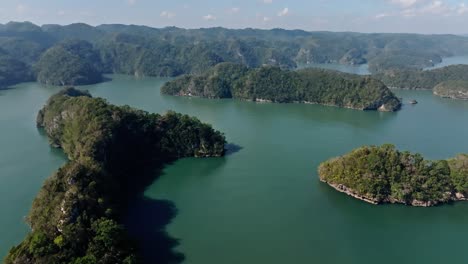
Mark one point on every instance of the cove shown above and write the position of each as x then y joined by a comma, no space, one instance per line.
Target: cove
264,202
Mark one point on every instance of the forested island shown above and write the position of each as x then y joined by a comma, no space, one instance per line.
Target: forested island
382,174
113,153
452,89
421,79
79,54
272,84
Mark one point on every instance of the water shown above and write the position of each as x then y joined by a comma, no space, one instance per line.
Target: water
362,69
264,203
449,61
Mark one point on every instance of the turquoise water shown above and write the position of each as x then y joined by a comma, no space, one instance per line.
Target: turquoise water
264,203
450,61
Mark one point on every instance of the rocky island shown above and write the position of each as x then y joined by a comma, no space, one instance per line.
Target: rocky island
272,84
113,153
452,89
382,174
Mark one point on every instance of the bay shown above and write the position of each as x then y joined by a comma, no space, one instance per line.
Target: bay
263,203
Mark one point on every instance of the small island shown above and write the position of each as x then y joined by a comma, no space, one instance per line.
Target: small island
273,84
113,153
382,174
452,90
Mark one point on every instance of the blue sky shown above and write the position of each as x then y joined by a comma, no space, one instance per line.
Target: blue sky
421,16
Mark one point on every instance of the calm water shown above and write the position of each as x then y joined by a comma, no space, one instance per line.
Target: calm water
362,69
450,61
264,203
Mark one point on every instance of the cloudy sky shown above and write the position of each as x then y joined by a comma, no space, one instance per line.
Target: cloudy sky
422,16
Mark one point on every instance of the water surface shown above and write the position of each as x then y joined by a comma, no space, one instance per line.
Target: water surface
264,203
449,61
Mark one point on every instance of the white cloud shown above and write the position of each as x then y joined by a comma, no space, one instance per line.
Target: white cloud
209,17
235,10
283,12
131,2
21,9
61,13
406,3
381,15
167,14
462,9
267,1
266,19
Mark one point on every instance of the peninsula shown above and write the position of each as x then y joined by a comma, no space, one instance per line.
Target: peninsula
113,152
382,174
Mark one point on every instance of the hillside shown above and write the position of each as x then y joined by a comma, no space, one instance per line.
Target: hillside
272,84
146,51
113,152
419,79
382,174
452,89
69,63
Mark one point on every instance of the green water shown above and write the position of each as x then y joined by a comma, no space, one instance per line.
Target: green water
262,204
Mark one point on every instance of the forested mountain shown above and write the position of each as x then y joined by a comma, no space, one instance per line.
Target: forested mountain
69,63
269,83
171,51
113,153
382,174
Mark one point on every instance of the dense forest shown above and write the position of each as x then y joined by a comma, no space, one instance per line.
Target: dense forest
113,153
452,89
420,79
69,63
269,83
145,51
382,174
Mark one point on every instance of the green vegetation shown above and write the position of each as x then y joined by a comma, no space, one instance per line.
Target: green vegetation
13,71
419,79
145,51
386,175
228,80
452,89
77,215
69,63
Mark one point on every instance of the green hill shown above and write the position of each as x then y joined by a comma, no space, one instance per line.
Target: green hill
69,63
272,84
452,89
385,175
114,152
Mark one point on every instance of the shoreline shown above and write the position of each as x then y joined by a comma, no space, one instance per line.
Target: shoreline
415,203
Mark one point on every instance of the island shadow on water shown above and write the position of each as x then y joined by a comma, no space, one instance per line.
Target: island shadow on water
146,219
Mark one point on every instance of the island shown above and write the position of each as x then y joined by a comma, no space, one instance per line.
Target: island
422,79
382,174
272,84
452,89
113,153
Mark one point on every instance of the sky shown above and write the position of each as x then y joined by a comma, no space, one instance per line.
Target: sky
412,16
